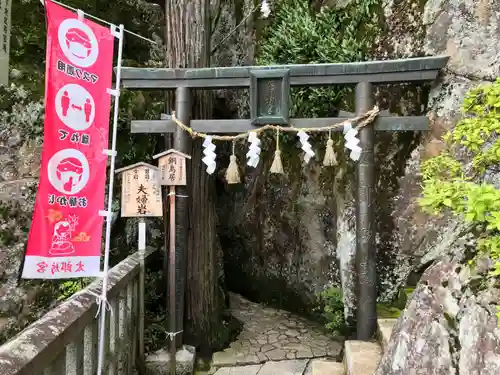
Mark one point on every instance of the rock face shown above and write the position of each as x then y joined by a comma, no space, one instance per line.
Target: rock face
19,168
280,236
449,325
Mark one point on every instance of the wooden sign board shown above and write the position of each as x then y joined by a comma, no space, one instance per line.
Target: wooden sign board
172,166
5,26
141,191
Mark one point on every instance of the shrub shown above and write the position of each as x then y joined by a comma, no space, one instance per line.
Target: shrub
331,307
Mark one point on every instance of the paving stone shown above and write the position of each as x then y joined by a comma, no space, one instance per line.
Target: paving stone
253,350
304,353
266,348
292,333
262,357
244,359
275,335
318,352
276,355
272,339
291,367
334,349
224,358
235,345
241,370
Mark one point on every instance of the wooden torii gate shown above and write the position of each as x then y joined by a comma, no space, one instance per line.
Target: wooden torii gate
361,74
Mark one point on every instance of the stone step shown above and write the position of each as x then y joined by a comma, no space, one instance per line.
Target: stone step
384,331
361,357
288,367
322,366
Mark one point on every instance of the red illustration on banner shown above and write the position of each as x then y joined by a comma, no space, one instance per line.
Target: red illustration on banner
66,231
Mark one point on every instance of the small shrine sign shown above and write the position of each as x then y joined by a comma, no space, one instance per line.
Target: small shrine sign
172,165
141,191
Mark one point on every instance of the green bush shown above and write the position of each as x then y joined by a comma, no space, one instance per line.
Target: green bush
465,192
298,35
331,307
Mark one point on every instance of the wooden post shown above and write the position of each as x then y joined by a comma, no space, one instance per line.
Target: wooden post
172,305
141,197
5,26
142,276
172,166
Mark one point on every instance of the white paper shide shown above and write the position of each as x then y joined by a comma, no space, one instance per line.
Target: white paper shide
209,152
351,141
306,146
253,154
265,10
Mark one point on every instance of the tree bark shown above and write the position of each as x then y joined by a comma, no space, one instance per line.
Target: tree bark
187,41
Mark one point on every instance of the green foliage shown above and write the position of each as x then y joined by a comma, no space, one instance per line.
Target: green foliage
331,307
69,287
297,35
464,191
387,312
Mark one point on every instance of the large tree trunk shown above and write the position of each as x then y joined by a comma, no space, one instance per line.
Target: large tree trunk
187,40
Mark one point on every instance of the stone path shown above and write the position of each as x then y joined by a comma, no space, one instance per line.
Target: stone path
288,367
271,335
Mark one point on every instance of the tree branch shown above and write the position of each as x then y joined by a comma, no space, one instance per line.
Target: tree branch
215,22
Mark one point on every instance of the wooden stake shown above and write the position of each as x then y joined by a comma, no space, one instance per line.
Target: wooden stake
140,359
172,165
172,325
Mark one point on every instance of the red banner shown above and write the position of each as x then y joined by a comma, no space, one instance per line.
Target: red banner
66,231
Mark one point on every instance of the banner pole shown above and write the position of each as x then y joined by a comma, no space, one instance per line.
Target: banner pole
103,300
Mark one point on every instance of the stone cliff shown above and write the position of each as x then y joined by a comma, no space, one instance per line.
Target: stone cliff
449,325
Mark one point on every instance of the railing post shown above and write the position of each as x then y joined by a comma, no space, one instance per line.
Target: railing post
365,228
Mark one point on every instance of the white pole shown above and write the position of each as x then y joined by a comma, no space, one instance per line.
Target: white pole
103,299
